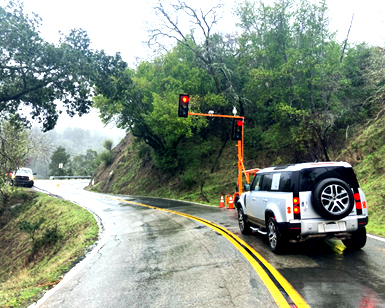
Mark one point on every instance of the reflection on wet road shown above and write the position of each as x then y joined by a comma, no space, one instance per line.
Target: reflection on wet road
325,273
152,258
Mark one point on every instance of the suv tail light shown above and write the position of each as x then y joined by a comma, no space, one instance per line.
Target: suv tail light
357,200
296,207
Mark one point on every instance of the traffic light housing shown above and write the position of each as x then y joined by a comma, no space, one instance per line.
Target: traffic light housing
183,105
236,133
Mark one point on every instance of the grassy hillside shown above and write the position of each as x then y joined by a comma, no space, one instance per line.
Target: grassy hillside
366,153
30,265
134,173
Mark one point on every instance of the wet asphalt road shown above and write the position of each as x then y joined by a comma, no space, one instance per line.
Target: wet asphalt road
151,258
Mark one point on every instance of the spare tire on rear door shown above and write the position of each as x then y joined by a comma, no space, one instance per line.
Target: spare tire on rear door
332,199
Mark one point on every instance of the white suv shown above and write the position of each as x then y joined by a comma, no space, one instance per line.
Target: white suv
302,201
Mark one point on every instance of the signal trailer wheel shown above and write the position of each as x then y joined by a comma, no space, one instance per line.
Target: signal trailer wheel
276,240
333,199
244,225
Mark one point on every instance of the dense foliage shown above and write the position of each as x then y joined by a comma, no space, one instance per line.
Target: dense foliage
300,90
18,146
34,73
14,146
34,76
60,163
85,165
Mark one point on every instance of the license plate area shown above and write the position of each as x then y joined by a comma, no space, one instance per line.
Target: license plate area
335,226
331,226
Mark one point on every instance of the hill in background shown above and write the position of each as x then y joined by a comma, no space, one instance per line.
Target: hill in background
133,172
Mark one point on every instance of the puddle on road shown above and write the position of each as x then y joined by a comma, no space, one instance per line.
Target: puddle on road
200,227
127,204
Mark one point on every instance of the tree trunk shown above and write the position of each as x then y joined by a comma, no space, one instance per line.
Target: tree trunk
219,154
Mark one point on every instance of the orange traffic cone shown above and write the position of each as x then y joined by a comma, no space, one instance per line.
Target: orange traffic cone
231,203
222,204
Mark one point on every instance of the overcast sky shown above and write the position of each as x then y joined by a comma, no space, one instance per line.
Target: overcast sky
119,26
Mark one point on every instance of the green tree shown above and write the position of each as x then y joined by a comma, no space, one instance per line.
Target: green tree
212,52
85,164
107,156
108,144
374,78
284,73
290,66
14,149
14,145
145,102
60,163
35,73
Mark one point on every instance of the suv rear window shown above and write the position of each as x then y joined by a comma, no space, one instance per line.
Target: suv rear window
310,177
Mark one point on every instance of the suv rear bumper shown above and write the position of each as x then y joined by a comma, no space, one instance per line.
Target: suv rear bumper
23,181
289,229
322,228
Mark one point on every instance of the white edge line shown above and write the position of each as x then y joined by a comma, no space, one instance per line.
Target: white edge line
376,237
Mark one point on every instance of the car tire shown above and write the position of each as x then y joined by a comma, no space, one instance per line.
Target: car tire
332,199
276,240
357,240
244,225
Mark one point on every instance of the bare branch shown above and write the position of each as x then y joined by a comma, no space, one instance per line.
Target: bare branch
346,40
170,29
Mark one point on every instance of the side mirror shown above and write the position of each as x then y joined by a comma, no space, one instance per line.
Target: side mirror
246,187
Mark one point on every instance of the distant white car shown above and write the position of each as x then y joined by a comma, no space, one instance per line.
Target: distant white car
23,177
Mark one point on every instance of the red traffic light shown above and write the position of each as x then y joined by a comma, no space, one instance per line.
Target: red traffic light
236,133
185,99
183,105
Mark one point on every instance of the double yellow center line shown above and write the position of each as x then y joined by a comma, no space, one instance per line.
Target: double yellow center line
280,289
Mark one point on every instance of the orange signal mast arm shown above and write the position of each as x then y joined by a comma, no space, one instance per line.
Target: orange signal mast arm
216,115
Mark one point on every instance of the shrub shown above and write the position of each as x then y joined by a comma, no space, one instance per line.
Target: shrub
108,144
107,157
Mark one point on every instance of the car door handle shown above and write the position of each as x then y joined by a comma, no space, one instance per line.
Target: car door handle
264,200
253,199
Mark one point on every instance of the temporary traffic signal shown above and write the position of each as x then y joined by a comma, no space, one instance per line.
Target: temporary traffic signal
237,129
183,105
